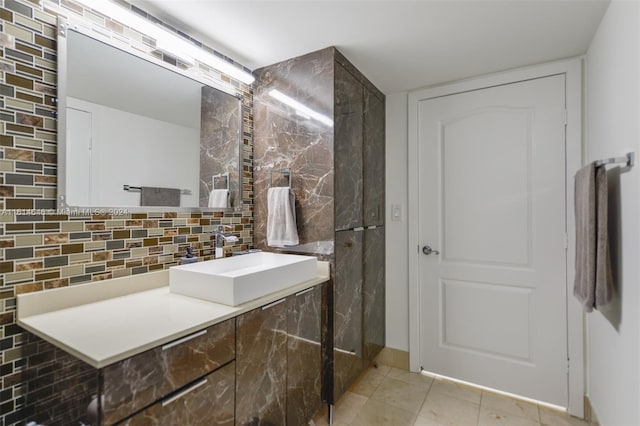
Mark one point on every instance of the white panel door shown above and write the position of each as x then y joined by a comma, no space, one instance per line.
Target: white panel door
79,131
492,203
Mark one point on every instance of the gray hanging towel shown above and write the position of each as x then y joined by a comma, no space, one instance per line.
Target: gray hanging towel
604,276
593,285
152,196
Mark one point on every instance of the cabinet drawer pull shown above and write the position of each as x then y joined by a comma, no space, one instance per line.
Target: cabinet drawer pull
184,339
359,229
277,302
183,393
344,351
300,293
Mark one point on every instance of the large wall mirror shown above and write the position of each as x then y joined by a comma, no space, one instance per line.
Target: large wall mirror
135,134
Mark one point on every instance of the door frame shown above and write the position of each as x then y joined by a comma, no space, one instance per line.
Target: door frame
572,69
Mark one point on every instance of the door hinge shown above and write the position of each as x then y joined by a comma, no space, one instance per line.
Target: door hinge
566,240
566,117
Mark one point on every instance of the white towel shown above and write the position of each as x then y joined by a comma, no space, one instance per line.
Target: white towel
281,217
219,198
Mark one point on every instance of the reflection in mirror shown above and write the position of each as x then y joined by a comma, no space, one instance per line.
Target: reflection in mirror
219,149
138,134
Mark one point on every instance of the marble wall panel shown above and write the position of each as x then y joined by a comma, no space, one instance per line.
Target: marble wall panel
220,144
261,366
285,139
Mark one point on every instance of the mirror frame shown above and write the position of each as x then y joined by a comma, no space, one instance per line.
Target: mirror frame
86,28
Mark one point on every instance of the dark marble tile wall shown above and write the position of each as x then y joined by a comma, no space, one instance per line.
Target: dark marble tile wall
210,403
261,366
136,382
304,357
41,248
286,140
219,145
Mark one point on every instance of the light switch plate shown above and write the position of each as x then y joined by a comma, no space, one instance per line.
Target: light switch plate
396,212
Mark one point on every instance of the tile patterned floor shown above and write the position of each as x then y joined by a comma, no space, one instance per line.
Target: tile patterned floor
393,397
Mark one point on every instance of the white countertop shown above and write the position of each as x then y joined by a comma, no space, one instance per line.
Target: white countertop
105,322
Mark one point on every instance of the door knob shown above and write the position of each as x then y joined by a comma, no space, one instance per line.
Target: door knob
428,250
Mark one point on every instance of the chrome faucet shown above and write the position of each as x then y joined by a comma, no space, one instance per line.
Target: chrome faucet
220,236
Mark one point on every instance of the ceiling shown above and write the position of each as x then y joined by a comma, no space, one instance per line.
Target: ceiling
129,83
399,45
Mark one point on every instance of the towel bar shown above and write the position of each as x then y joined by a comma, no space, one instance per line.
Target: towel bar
139,188
220,175
286,172
629,160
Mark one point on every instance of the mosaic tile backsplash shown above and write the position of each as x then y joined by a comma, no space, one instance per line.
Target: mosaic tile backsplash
41,248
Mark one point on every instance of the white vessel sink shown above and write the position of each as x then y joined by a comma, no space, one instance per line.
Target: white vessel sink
239,279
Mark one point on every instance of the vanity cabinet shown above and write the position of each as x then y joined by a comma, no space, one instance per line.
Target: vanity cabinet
373,156
359,119
373,293
134,383
347,315
304,355
337,164
279,361
207,402
261,365
358,285
348,119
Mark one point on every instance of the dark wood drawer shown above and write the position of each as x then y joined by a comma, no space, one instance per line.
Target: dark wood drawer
207,402
137,382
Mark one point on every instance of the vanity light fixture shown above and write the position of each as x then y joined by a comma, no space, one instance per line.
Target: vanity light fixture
167,41
302,115
300,109
168,46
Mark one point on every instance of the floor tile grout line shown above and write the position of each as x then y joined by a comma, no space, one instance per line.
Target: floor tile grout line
479,408
406,383
429,391
424,400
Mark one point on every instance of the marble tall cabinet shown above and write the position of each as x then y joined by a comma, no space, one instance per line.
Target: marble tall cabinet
336,156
